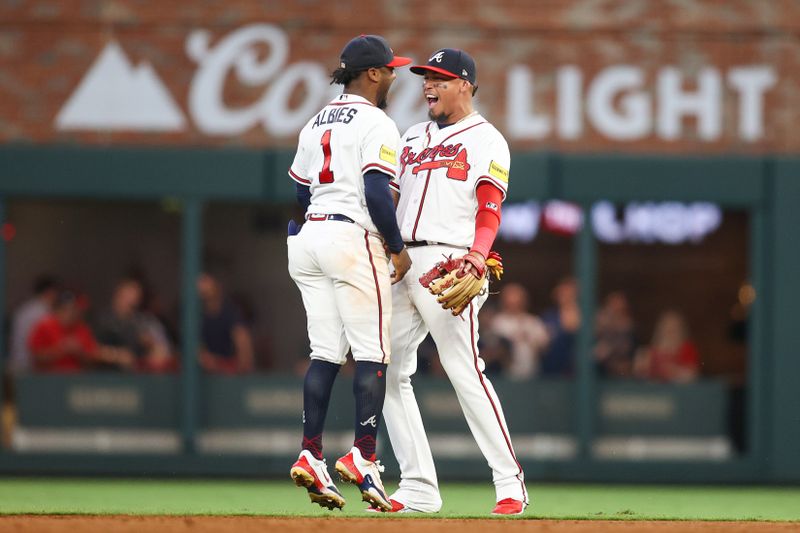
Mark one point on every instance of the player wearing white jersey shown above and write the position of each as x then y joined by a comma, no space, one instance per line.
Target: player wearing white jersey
345,165
454,176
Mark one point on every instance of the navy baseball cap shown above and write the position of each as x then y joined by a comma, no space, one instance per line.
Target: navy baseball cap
369,51
450,62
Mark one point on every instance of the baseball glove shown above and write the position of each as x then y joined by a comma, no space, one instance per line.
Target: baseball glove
454,287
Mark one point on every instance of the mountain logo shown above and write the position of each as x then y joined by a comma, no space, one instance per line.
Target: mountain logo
117,95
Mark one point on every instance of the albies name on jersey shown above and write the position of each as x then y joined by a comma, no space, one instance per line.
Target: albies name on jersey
331,115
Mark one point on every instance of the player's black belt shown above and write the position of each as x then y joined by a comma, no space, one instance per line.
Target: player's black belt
414,244
316,217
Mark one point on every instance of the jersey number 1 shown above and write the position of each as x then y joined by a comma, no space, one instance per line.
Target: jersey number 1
326,174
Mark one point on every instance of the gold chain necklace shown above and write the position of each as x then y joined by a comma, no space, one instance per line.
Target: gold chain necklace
465,118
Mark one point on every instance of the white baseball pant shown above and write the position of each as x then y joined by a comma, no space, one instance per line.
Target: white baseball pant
414,313
343,275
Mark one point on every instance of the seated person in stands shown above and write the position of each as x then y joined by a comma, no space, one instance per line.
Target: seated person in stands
226,342
525,331
124,331
672,357
615,337
562,323
496,349
61,342
26,316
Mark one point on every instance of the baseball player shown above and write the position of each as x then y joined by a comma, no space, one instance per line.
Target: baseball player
344,169
453,179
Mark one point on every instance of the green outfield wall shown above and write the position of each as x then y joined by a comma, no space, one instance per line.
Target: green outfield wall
583,429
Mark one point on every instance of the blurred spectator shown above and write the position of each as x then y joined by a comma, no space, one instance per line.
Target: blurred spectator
615,341
27,315
61,342
562,323
671,356
227,345
127,333
740,313
738,335
525,331
153,307
495,348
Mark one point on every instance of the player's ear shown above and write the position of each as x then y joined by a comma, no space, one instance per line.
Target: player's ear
374,74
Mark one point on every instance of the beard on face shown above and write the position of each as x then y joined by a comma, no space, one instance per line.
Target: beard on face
440,118
382,98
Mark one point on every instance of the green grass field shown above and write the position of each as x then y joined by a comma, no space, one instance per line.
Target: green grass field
281,498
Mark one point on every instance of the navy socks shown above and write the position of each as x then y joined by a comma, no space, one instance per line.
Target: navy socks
369,389
316,395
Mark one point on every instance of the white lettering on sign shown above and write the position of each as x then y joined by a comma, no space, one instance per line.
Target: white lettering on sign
569,80
636,222
666,222
751,83
615,102
620,107
523,121
633,119
520,222
238,54
704,103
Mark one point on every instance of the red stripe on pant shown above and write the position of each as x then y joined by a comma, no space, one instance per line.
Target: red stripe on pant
378,291
491,402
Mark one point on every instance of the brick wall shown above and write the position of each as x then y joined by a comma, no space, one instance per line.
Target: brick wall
582,75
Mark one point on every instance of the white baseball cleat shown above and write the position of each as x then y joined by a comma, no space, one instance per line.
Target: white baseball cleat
354,469
313,474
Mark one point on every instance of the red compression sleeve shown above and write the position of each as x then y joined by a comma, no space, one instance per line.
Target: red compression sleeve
488,219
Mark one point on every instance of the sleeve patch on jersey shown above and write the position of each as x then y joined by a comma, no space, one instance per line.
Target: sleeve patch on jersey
388,155
498,172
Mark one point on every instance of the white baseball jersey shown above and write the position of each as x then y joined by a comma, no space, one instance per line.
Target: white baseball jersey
341,268
347,138
439,172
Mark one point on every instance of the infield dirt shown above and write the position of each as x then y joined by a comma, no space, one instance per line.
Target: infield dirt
246,524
